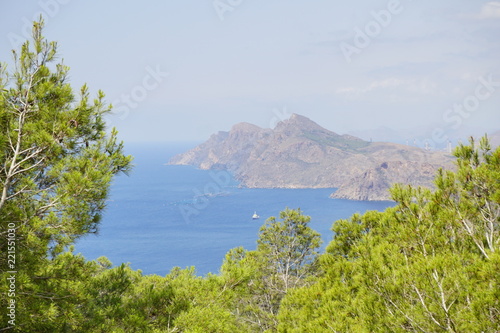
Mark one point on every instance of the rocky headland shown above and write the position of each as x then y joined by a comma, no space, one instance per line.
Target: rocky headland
298,153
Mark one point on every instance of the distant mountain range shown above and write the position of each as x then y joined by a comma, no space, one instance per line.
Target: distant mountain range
495,139
422,135
298,153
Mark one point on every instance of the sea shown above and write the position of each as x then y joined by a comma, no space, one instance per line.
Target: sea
164,216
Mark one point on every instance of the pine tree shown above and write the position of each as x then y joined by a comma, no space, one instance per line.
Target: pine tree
56,165
285,259
429,264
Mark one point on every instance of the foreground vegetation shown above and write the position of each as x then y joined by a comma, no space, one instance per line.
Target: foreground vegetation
429,264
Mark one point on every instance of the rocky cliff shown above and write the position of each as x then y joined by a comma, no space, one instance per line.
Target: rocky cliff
298,153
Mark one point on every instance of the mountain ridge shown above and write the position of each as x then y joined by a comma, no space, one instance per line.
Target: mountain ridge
299,153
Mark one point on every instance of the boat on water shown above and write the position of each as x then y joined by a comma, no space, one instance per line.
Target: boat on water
255,216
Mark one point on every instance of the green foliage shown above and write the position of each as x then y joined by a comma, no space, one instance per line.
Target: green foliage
209,319
56,164
285,259
290,248
429,264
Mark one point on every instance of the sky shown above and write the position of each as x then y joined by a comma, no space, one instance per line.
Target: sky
183,70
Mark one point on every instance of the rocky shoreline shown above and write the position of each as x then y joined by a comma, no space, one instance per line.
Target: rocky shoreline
298,153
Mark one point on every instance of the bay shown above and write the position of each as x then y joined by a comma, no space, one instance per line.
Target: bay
162,216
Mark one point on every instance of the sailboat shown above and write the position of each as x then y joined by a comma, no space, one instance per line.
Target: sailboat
255,216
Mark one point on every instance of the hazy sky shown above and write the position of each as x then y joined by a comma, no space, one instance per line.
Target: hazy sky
182,70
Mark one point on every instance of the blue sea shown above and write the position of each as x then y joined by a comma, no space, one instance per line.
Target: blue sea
162,216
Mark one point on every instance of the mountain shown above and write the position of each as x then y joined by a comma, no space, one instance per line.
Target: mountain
298,153
373,184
